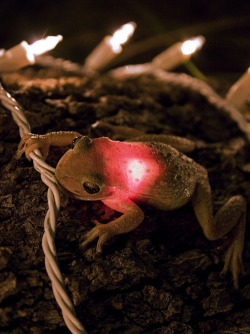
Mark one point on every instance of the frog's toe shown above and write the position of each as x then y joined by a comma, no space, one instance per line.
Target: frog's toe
23,145
99,231
30,142
233,263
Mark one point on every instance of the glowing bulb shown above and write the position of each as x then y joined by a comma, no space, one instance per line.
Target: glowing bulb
178,53
239,93
44,45
192,45
24,54
121,36
109,48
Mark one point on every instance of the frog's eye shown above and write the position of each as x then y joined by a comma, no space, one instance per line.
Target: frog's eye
74,141
91,188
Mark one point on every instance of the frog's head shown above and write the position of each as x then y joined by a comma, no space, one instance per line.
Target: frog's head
79,172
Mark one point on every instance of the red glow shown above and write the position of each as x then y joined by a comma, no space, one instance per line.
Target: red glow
131,167
136,173
137,170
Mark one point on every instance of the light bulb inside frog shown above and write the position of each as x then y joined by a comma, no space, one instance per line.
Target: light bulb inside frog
79,171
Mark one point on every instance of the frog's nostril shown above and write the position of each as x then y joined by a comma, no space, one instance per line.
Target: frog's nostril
74,141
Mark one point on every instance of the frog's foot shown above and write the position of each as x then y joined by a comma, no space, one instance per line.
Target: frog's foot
101,231
131,218
233,262
30,142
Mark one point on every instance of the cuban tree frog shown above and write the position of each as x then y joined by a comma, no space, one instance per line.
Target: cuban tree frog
151,170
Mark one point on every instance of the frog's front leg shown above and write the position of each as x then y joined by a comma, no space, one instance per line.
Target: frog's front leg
230,218
131,218
32,141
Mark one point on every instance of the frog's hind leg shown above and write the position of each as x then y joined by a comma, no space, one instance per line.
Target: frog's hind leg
230,218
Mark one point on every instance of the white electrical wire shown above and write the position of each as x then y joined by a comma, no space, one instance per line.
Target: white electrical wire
63,65
48,242
187,82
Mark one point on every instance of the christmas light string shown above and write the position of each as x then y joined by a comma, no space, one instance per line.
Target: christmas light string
187,82
48,242
62,65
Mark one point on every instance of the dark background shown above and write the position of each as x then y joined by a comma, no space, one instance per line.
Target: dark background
226,26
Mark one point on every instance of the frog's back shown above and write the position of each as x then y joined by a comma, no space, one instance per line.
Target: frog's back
177,181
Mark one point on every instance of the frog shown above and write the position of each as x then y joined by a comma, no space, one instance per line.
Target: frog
148,169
